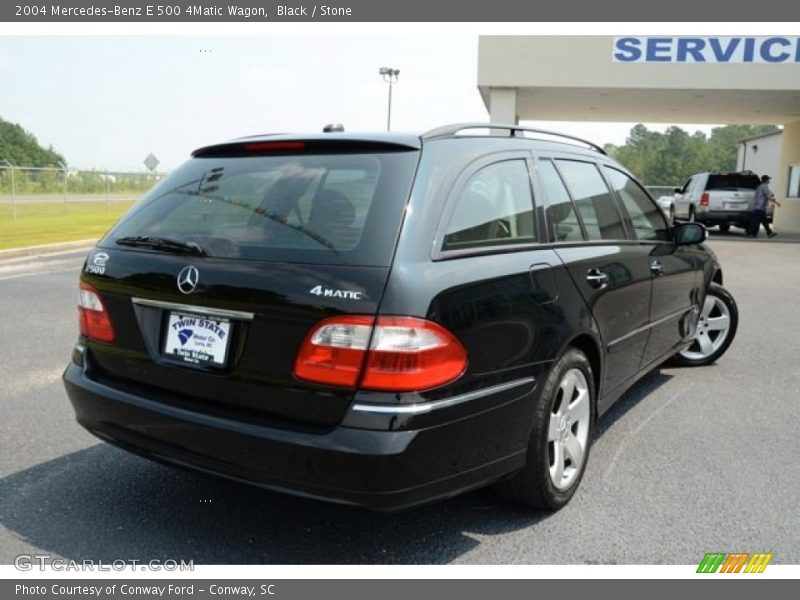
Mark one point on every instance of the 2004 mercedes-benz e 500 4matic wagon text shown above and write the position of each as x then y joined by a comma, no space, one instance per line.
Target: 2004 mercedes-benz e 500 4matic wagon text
388,319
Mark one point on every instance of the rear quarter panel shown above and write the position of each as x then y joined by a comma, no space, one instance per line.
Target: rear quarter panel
510,327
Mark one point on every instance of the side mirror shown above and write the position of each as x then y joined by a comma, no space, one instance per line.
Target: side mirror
678,190
687,234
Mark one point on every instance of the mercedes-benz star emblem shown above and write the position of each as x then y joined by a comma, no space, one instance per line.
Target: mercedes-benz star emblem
187,279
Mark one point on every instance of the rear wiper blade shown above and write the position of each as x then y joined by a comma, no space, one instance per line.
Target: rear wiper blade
159,243
269,215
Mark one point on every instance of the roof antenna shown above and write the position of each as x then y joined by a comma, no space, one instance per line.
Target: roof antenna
333,128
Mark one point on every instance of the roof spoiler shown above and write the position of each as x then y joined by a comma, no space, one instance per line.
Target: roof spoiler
299,145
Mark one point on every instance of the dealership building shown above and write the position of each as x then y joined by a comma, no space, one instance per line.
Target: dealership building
654,79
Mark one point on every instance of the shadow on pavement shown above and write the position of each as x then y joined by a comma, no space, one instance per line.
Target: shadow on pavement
104,504
644,387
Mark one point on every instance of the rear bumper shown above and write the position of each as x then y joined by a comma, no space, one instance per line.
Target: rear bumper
721,217
378,469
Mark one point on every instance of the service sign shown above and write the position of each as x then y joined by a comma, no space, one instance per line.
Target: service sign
706,49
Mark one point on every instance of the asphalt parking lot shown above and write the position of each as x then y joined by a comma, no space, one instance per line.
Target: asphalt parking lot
689,461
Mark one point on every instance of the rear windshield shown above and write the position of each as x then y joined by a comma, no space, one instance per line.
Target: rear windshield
732,181
320,208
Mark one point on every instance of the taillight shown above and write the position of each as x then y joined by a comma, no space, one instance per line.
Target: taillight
405,354
334,350
93,318
704,199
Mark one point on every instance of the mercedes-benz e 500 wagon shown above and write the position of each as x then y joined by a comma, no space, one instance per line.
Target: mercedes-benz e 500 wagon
385,319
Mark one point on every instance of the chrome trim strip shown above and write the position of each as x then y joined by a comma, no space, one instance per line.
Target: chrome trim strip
670,317
199,310
644,328
426,407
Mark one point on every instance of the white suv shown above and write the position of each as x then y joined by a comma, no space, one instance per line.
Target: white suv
715,198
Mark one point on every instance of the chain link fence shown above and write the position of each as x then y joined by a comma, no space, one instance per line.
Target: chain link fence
23,188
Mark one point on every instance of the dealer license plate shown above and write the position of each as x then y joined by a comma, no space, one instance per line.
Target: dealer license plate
197,339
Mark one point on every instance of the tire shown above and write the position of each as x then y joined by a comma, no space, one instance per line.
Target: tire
539,484
691,213
672,214
711,340
725,227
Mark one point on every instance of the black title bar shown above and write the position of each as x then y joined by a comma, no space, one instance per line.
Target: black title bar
357,11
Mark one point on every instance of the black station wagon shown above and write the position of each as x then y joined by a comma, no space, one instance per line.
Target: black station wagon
385,319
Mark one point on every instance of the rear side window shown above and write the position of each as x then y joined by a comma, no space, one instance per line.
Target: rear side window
329,208
647,219
732,181
495,206
596,205
562,221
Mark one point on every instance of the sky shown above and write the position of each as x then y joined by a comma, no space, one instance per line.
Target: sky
107,102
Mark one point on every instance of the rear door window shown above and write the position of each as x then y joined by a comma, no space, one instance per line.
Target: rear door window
596,206
645,215
494,207
562,220
329,208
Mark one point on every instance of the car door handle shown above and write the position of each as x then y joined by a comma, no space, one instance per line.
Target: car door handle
656,268
597,279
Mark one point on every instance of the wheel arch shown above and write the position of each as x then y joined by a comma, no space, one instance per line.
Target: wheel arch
591,348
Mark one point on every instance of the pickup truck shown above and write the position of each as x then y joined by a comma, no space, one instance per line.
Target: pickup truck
721,199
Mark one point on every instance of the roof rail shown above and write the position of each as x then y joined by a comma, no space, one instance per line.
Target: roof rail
451,130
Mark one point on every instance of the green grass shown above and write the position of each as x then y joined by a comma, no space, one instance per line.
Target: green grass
47,223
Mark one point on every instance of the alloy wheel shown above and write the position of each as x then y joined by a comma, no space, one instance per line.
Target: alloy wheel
712,329
568,430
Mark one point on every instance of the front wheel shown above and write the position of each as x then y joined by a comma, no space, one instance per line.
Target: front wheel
560,439
716,329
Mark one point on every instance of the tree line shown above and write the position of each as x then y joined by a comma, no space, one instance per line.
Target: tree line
656,158
21,148
670,158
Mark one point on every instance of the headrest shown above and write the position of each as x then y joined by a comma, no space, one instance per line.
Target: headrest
331,206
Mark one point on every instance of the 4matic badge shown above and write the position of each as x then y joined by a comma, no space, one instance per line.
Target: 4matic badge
332,293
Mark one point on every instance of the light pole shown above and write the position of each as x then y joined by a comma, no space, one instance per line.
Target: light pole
389,76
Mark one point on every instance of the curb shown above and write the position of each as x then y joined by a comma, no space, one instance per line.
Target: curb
45,249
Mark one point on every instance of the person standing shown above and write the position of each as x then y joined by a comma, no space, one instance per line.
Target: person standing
764,197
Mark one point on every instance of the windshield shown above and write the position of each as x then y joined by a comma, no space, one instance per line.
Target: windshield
323,208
